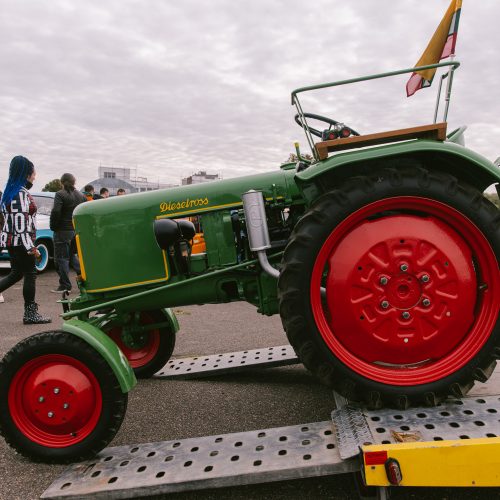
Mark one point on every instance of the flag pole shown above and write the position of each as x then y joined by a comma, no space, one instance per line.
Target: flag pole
448,89
438,97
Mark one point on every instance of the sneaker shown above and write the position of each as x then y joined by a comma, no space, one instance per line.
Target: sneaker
60,289
2,300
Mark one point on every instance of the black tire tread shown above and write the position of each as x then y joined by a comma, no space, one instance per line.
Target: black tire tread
293,284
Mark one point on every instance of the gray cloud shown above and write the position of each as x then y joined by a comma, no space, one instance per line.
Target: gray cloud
170,88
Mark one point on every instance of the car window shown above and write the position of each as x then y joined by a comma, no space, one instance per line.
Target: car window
44,204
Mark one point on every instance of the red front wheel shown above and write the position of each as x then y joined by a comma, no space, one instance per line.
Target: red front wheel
61,401
399,288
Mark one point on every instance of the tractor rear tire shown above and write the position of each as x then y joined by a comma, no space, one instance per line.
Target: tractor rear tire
61,401
409,260
155,347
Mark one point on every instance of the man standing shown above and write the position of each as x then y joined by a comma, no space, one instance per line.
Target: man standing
61,222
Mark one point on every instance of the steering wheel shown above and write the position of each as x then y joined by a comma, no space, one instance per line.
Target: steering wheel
329,121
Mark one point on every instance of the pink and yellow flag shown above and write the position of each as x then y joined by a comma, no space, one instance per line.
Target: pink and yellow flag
442,45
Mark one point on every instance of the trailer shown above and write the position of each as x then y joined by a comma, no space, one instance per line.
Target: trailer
456,443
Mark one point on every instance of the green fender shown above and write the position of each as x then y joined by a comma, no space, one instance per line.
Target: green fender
447,156
106,348
174,323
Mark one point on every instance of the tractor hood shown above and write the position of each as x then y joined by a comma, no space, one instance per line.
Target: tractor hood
116,239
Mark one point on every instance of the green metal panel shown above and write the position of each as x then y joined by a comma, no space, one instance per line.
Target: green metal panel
219,238
117,243
477,169
106,348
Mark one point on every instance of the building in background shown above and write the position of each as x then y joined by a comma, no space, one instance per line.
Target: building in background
115,178
200,177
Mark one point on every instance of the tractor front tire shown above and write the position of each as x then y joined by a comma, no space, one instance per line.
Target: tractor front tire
61,402
153,348
390,288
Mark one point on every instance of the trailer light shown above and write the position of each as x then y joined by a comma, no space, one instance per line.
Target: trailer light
393,471
375,457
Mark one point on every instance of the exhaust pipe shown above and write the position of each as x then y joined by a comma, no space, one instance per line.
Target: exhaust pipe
258,233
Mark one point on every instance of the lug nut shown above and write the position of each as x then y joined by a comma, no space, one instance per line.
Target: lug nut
65,406
50,414
404,267
405,340
383,280
56,390
41,399
384,304
425,278
426,302
406,315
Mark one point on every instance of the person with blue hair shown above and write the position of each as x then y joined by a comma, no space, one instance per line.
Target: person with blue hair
18,234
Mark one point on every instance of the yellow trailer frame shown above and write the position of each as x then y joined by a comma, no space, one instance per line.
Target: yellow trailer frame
461,462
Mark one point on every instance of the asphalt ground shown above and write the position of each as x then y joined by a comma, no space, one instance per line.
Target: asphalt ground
166,410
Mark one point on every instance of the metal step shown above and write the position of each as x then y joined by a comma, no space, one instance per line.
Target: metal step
206,462
218,364
468,418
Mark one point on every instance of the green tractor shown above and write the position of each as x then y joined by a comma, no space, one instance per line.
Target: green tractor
382,262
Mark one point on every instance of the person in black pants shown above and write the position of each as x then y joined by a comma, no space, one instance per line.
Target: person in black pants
18,234
61,222
2,300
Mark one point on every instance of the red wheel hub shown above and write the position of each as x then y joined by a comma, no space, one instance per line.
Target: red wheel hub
145,347
55,400
403,304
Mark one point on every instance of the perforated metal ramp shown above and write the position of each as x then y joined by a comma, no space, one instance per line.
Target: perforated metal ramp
207,462
218,364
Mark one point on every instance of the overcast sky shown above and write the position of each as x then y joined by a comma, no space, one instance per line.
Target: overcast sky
171,87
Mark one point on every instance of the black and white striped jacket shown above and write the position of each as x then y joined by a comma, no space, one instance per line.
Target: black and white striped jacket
19,222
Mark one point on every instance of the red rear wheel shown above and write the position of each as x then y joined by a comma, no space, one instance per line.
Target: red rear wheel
146,351
407,285
412,288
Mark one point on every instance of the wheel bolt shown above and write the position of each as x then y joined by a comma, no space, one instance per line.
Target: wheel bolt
384,304
425,278
41,399
426,302
406,315
404,267
65,406
50,414
383,280
56,390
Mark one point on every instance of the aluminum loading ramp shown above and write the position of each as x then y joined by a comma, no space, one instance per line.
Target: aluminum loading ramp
219,364
206,462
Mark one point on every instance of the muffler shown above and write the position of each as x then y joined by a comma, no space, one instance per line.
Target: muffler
257,230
